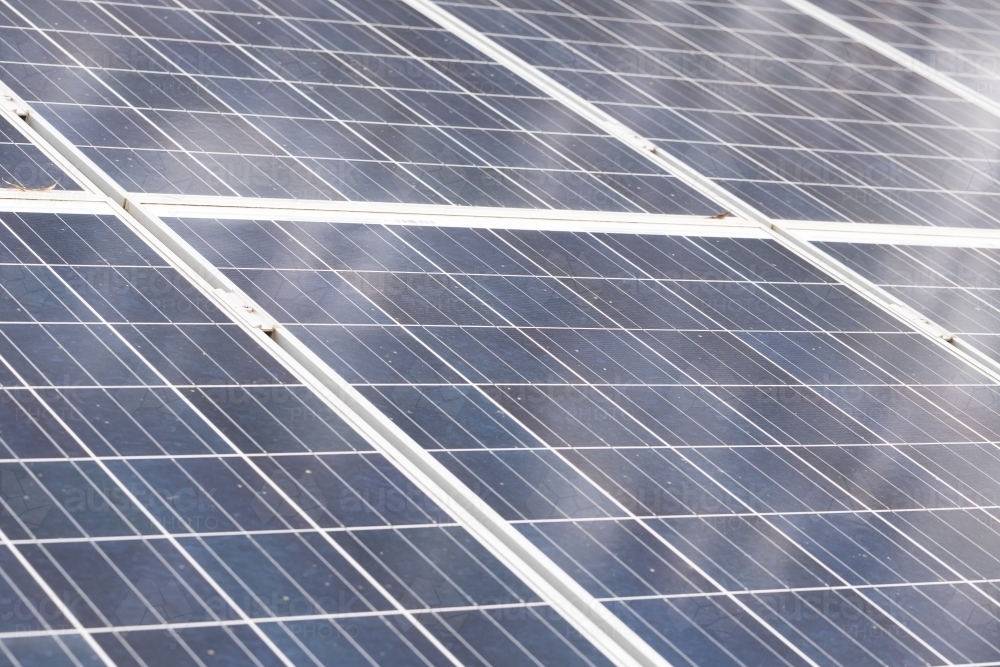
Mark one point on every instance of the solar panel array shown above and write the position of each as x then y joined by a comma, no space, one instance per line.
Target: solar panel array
786,112
740,459
685,425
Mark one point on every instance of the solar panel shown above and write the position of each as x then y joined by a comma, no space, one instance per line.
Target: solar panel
959,39
305,374
786,112
358,101
685,425
184,496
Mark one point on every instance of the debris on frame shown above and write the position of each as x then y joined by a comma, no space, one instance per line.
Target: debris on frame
18,186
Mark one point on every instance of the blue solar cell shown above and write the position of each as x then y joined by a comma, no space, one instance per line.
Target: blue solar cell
23,166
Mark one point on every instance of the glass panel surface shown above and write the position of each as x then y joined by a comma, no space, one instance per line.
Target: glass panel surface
685,425
24,168
959,288
312,99
785,112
